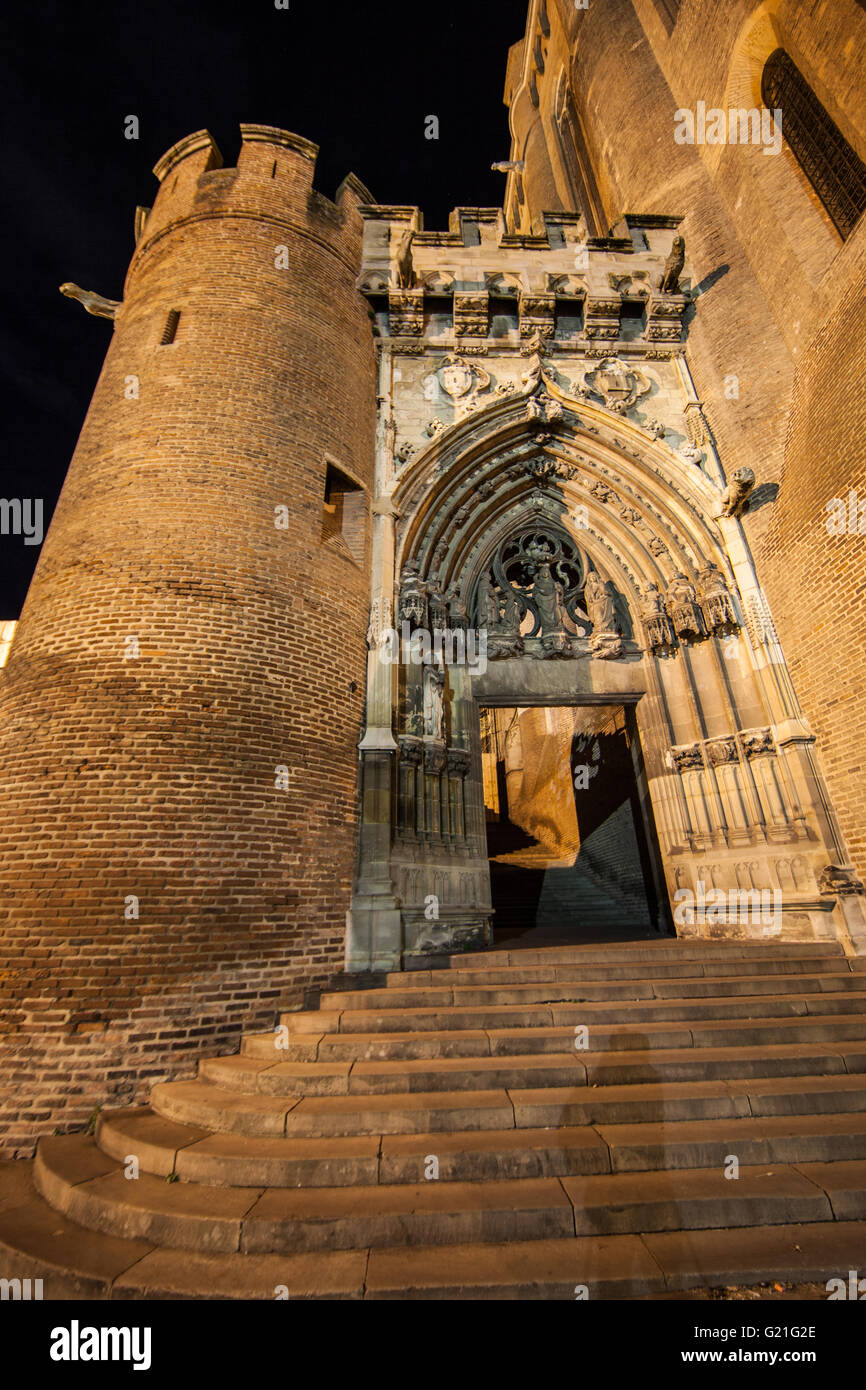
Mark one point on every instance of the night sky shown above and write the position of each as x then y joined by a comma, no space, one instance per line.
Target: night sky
358,79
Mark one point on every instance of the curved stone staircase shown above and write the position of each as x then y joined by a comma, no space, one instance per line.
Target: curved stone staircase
310,1170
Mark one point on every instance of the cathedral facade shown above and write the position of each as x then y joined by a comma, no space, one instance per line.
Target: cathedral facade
380,541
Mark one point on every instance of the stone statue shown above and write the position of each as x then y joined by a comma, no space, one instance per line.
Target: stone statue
660,631
93,303
599,604
683,607
736,495
670,281
457,614
404,270
548,596
511,614
487,604
716,602
434,702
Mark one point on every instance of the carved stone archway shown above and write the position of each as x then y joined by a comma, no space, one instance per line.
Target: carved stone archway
571,555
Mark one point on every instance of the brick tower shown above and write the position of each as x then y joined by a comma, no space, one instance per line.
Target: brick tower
184,695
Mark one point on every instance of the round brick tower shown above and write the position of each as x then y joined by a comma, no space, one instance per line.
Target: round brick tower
181,707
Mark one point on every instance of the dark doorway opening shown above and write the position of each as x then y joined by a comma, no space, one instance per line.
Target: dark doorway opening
569,846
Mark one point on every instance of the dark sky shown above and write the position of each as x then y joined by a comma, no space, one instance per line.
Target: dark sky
358,79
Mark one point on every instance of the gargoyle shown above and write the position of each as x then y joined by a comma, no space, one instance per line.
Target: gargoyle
93,303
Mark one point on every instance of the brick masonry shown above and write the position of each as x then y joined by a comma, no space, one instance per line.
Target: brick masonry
781,302
154,776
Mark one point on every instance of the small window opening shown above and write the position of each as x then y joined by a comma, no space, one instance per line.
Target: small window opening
345,512
170,330
274,170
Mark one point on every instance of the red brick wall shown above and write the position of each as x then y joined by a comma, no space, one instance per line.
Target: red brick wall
155,777
781,306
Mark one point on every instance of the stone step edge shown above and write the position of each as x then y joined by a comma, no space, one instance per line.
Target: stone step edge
608,1266
499,1207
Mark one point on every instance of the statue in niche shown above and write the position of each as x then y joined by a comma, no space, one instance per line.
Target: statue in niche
716,601
658,625
548,594
511,612
434,703
683,607
599,604
457,614
488,605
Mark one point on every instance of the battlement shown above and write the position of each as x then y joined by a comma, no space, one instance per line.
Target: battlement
613,283
273,176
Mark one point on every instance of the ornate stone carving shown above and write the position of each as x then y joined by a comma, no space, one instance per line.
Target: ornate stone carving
606,640
670,281
839,880
91,301
458,762
458,616
656,429
536,313
434,426
412,603
544,408
657,546
722,750
404,453
434,756
691,453
685,756
736,495
717,604
543,467
407,313
618,385
471,317
659,628
459,378
757,741
683,607
411,749
403,273
434,702
437,608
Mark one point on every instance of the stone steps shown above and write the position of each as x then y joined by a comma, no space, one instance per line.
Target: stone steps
267,1076
85,1185
451,1018
36,1241
842,1034
673,969
308,1165
578,990
230,1112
